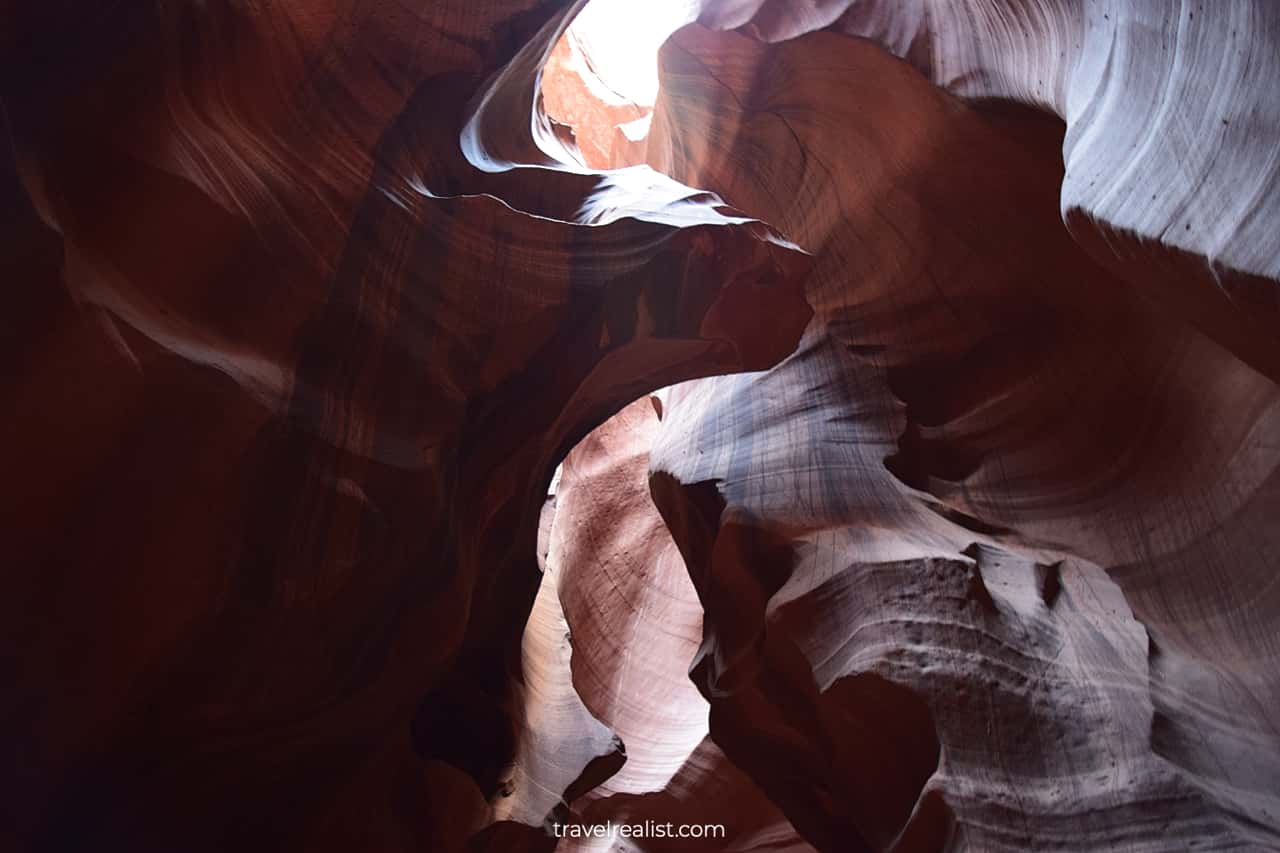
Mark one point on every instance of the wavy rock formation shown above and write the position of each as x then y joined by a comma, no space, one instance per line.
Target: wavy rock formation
967,414
288,393
307,301
628,621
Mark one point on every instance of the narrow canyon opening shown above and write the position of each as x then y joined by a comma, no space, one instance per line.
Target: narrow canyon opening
601,79
612,634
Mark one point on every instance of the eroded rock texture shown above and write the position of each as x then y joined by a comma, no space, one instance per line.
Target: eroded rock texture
306,301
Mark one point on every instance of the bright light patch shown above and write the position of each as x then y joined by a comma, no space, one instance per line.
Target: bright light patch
620,40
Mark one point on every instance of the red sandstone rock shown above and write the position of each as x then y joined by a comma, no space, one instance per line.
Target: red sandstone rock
306,301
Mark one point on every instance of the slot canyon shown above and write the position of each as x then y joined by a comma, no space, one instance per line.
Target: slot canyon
831,425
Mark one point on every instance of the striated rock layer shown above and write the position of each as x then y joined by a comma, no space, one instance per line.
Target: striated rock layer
307,300
290,383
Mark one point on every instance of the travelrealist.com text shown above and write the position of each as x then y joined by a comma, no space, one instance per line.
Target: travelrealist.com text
642,829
